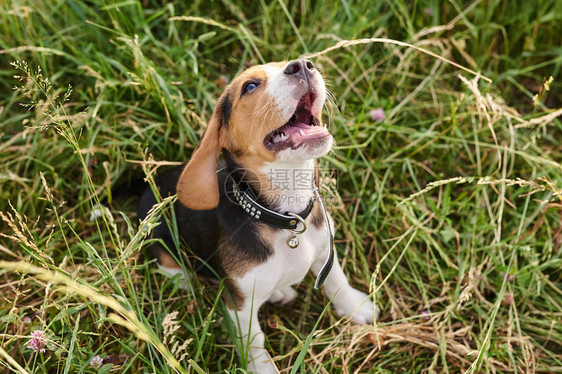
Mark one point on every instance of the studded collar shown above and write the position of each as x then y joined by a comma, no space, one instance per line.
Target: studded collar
265,215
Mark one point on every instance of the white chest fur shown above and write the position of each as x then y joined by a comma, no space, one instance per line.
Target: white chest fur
287,266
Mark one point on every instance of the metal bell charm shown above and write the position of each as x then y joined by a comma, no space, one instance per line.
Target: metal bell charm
293,242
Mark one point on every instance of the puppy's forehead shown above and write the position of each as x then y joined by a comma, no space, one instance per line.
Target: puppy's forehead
258,72
279,64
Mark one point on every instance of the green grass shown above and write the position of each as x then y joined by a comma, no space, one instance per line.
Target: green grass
450,209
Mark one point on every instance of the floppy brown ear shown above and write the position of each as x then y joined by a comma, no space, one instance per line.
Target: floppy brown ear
198,184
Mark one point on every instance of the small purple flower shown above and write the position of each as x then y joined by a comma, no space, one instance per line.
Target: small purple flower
377,114
38,341
96,362
26,320
425,314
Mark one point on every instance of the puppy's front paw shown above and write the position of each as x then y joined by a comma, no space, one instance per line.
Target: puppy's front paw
262,365
283,297
357,305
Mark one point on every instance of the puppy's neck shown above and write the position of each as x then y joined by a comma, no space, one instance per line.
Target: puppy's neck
284,186
289,184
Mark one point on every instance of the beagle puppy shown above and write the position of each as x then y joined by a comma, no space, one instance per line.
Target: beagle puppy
255,217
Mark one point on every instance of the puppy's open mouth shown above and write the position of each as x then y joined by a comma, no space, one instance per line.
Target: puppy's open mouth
302,128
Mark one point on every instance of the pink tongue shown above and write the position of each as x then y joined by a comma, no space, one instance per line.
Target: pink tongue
308,133
302,125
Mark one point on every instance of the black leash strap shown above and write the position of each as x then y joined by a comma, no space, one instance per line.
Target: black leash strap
323,274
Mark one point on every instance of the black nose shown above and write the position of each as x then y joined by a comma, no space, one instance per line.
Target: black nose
300,68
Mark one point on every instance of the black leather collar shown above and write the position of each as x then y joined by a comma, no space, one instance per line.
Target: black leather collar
265,215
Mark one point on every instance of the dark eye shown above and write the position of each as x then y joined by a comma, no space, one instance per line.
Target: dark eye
249,87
